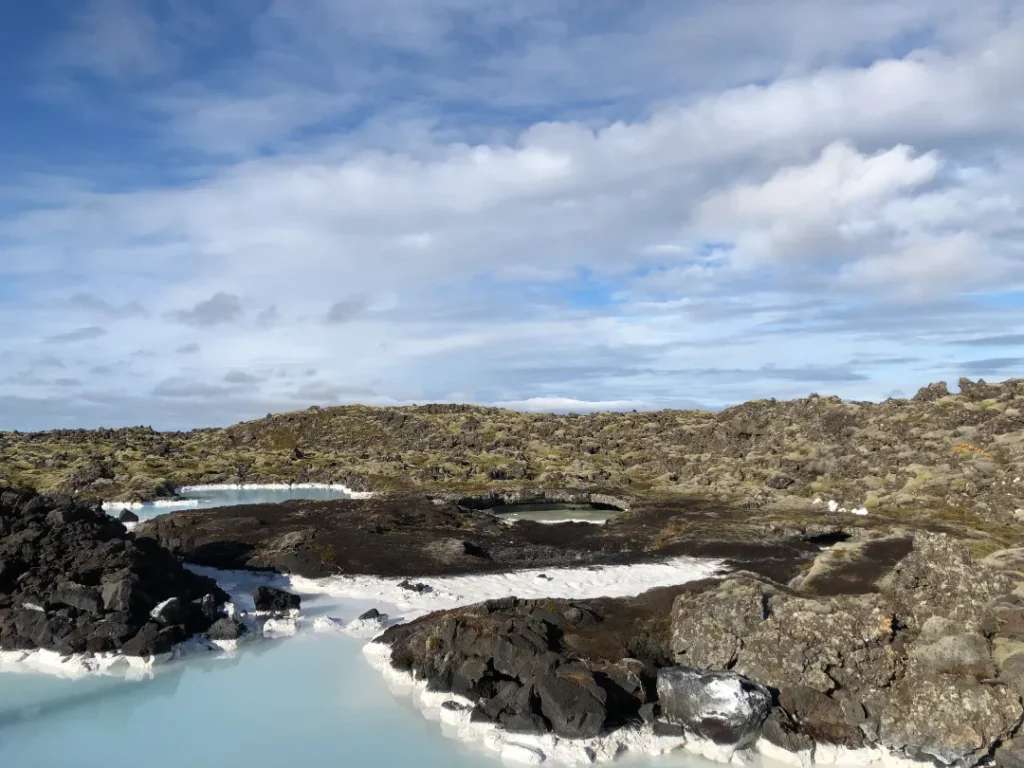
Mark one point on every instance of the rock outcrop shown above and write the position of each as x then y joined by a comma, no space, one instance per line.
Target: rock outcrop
922,657
73,580
908,665
275,600
541,665
958,457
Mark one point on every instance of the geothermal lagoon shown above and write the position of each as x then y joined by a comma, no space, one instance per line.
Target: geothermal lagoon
312,699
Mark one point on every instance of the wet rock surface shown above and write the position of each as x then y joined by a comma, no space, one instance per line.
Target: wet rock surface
73,580
721,706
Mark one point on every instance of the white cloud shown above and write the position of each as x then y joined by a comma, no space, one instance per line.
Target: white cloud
594,251
925,267
570,405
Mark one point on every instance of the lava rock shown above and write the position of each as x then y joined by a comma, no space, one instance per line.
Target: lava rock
153,640
572,702
226,629
415,586
79,596
273,599
127,516
170,611
73,580
721,706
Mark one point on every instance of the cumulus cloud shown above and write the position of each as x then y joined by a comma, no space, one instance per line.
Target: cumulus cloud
994,365
114,39
219,308
1001,340
929,265
181,387
242,377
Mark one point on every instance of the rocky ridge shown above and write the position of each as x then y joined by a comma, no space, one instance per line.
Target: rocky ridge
938,456
73,580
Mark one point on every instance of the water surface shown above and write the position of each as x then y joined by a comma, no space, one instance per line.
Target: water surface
308,701
554,513
229,497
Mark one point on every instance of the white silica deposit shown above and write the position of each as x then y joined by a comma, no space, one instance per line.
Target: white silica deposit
232,494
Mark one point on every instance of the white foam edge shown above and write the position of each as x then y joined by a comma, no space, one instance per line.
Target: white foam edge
79,665
276,487
117,506
635,739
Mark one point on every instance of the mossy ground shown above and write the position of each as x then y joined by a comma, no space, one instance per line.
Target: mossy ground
956,461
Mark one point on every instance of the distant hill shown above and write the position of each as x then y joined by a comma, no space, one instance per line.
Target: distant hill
940,455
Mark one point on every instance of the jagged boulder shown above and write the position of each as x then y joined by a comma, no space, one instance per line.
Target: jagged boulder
724,707
73,580
908,664
276,600
952,720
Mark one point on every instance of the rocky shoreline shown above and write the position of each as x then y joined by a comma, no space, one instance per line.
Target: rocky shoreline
925,662
871,604
73,580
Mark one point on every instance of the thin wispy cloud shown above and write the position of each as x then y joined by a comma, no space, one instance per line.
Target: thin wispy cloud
79,334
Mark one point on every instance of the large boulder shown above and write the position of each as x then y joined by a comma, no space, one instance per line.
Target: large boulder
572,701
925,661
721,706
516,660
948,719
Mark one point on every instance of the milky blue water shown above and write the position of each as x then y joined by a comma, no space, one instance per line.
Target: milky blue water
229,497
307,701
554,513
303,702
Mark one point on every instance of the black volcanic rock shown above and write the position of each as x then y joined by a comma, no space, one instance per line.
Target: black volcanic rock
273,599
906,643
722,706
73,580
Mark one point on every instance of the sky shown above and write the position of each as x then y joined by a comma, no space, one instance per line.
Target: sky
211,211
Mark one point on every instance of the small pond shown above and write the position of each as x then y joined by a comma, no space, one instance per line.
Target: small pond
555,512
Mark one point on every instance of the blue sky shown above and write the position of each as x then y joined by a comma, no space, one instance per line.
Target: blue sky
209,211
